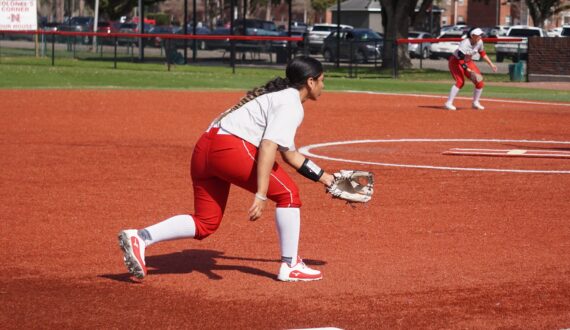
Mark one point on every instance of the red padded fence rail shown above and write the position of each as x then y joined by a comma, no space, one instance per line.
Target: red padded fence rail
436,40
154,35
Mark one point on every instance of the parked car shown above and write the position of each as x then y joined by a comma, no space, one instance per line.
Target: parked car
419,50
296,46
444,49
50,26
78,24
365,44
156,41
201,44
555,32
131,28
565,31
318,33
460,27
517,50
500,30
223,44
299,27
256,27
107,27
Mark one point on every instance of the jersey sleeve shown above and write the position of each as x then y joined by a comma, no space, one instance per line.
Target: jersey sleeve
482,49
282,122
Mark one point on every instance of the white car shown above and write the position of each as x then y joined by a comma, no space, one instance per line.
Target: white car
419,50
517,50
444,49
554,32
318,33
500,30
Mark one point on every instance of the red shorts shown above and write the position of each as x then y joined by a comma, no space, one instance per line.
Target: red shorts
220,160
459,74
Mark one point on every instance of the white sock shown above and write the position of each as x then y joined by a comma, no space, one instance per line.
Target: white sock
288,223
452,94
477,94
177,227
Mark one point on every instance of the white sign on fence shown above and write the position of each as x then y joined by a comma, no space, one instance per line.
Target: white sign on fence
18,15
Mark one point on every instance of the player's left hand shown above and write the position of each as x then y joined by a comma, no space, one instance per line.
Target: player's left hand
256,209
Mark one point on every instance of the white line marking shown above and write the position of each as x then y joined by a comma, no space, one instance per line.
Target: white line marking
306,150
464,98
508,153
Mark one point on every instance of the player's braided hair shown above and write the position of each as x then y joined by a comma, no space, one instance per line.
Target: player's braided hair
297,72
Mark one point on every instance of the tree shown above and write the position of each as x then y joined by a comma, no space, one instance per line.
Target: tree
541,10
320,8
397,17
114,9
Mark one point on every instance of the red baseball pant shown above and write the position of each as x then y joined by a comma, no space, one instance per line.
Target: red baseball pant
459,74
220,160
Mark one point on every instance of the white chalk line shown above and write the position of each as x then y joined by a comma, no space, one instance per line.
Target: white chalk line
306,150
463,98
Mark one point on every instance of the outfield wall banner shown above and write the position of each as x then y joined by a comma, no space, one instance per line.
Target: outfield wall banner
18,15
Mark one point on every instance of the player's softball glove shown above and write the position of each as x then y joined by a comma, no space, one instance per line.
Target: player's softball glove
352,186
476,77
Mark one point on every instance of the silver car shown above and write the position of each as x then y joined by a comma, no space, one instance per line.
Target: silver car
318,33
420,50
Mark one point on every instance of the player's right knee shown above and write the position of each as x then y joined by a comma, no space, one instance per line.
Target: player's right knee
206,227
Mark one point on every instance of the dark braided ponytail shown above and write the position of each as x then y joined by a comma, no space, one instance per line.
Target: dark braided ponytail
297,72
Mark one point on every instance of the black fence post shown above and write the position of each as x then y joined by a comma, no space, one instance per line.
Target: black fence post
395,59
350,60
115,53
52,49
421,54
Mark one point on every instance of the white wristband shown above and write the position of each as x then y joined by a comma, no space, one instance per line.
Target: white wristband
260,197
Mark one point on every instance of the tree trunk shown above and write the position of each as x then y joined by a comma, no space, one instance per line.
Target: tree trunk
396,22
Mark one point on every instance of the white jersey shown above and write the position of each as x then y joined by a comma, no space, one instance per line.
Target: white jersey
468,49
273,116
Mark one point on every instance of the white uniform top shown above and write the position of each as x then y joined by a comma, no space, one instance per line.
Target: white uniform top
273,116
468,49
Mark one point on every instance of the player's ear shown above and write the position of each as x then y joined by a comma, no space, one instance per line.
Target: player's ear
311,82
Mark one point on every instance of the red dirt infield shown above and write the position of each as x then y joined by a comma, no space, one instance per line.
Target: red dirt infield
434,249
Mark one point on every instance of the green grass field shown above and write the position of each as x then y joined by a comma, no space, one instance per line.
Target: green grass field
30,73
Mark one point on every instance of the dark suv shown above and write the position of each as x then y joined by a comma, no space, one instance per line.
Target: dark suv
356,45
256,27
79,24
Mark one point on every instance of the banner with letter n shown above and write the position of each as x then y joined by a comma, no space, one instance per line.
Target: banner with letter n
18,15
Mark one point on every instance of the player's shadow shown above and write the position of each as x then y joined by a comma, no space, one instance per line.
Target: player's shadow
201,261
436,107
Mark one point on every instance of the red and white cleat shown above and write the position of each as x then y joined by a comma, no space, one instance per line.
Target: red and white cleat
477,106
298,272
133,249
449,106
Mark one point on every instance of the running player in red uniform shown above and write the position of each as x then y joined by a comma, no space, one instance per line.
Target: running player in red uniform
461,66
239,148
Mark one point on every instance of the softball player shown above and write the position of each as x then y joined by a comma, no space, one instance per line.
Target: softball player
239,148
461,66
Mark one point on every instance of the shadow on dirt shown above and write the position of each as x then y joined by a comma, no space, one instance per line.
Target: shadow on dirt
202,261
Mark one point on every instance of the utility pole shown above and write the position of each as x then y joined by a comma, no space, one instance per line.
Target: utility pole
141,30
95,25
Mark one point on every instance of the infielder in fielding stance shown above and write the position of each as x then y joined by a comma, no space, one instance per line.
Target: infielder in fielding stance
239,147
461,66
